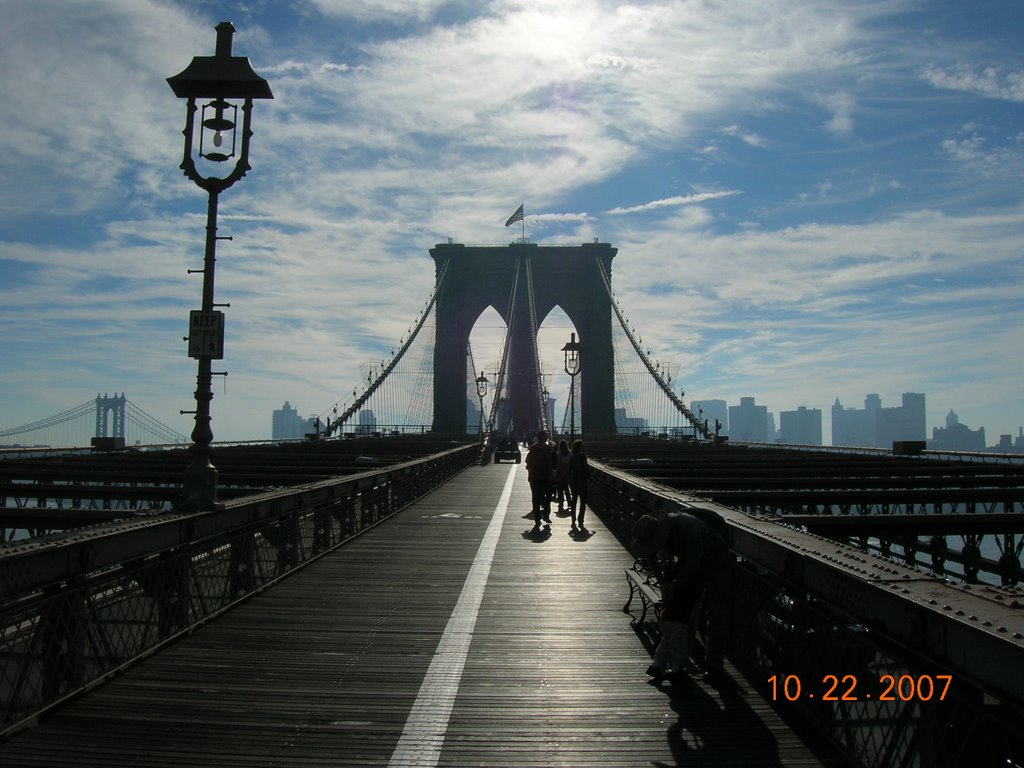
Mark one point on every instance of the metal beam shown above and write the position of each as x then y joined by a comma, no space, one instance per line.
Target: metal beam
974,632
905,525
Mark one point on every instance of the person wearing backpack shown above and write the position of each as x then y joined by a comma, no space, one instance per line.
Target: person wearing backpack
688,552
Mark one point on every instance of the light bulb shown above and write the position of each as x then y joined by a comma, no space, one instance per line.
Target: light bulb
218,139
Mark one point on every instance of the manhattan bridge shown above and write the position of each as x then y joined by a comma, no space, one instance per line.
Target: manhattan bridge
108,417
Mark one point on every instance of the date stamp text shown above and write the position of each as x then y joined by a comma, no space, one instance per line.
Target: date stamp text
853,688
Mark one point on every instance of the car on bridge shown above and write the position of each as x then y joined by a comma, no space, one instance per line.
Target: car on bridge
507,450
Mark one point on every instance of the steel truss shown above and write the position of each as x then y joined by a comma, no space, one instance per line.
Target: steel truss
818,620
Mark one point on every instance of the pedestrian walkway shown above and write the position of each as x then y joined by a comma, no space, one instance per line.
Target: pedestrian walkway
446,636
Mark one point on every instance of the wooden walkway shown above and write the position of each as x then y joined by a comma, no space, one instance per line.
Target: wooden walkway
349,663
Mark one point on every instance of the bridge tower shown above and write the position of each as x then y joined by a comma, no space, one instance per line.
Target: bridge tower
107,407
512,279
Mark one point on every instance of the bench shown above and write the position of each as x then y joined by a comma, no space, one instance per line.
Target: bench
642,583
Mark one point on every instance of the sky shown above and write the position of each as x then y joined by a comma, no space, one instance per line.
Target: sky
810,200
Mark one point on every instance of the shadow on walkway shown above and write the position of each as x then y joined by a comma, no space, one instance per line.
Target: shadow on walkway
697,737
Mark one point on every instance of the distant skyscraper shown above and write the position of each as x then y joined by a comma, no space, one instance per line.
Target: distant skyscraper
801,427
851,426
367,422
878,427
956,436
748,422
629,425
1008,444
287,424
713,409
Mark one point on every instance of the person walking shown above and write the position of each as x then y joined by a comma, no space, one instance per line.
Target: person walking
540,468
579,470
693,563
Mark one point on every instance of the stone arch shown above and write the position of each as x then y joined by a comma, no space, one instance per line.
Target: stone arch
480,276
553,332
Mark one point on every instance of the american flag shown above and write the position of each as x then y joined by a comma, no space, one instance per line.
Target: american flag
517,216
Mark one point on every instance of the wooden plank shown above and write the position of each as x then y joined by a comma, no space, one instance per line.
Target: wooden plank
323,668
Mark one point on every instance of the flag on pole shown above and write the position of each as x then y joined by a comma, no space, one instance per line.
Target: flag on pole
517,216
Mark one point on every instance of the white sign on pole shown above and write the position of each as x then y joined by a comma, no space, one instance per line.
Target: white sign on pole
206,334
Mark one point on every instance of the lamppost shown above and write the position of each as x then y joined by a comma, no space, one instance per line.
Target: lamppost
481,392
572,367
225,80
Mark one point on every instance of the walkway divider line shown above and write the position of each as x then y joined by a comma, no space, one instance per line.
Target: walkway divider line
425,729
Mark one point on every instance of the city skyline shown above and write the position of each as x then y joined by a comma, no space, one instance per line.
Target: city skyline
806,197
709,412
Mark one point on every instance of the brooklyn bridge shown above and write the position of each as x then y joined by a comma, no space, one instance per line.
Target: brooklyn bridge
374,594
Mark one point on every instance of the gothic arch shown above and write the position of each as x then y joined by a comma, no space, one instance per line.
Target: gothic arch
477,277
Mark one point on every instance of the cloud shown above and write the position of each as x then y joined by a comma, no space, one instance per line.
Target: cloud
560,217
73,130
979,157
668,202
988,82
381,10
779,313
841,104
751,139
398,124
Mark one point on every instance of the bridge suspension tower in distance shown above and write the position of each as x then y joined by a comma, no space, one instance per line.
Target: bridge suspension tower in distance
110,414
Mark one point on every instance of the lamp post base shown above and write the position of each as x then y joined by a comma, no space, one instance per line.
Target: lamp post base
199,493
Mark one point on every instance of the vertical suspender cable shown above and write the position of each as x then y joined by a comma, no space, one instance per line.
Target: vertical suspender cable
659,382
499,388
536,353
386,371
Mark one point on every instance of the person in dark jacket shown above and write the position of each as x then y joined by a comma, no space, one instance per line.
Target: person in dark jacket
694,566
540,469
579,470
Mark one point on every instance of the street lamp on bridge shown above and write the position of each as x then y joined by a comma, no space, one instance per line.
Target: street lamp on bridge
481,392
572,367
225,80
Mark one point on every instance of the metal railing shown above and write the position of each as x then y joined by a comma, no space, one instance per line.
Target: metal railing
895,665
981,457
75,611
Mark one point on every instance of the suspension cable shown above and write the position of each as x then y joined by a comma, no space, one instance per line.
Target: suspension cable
386,370
536,352
697,424
52,421
503,368
147,423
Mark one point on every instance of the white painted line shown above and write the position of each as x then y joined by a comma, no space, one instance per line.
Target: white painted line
423,736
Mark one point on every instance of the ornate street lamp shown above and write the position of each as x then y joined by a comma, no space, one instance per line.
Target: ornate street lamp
481,392
572,367
224,80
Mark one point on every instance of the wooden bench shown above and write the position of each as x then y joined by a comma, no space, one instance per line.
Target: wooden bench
642,583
